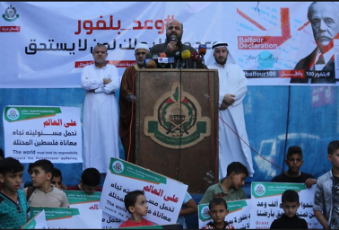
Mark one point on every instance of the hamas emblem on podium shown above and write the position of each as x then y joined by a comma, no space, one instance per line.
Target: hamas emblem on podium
177,122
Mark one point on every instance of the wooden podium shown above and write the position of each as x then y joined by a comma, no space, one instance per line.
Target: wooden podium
177,124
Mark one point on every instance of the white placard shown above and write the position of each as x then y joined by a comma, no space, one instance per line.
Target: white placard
43,132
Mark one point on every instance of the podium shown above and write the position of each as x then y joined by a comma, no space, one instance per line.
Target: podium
177,124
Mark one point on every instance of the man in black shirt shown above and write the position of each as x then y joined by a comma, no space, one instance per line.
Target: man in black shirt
173,47
294,161
289,220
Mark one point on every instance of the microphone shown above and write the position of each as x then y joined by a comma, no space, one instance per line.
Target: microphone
194,58
161,55
148,57
202,52
185,55
173,38
177,57
155,59
150,64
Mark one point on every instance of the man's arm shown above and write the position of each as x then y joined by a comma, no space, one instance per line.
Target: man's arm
190,208
320,217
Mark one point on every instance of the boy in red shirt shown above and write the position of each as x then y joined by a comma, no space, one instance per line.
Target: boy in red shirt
136,204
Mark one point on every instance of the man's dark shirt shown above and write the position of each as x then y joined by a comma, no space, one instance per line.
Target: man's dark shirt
160,48
285,222
284,178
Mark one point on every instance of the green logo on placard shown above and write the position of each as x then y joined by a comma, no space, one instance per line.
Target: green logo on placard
10,14
177,120
123,168
25,113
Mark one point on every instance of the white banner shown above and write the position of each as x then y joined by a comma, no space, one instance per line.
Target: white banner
70,218
45,44
34,133
266,200
239,215
164,195
37,222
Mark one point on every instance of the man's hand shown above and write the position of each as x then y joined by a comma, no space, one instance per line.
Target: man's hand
107,81
171,46
223,106
309,182
229,99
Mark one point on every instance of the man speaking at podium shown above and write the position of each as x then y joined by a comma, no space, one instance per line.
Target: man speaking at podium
127,102
173,46
232,90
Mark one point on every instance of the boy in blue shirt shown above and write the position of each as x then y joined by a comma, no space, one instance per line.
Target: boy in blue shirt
13,204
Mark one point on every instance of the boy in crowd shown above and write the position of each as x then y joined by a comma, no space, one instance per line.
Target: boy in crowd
188,207
326,196
294,161
42,193
13,204
229,188
289,220
57,179
136,204
218,211
90,181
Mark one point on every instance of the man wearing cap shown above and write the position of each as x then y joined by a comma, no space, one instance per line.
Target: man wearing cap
100,119
127,102
232,90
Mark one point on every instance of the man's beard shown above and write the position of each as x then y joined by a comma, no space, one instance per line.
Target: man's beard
168,38
221,63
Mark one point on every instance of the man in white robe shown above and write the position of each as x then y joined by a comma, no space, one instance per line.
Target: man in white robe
232,90
100,117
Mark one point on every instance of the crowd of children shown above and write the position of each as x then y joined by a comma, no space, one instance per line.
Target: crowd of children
46,190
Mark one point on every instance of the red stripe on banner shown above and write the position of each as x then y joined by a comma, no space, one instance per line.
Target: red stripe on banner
9,28
268,42
250,20
118,64
292,73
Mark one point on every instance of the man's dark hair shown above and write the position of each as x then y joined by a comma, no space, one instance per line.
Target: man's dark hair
290,196
293,150
90,177
332,147
131,198
57,173
45,165
217,201
237,168
10,165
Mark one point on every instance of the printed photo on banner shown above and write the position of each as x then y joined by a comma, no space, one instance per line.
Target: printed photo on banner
266,201
34,133
164,195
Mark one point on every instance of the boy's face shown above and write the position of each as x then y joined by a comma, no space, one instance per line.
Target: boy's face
290,208
56,182
238,180
218,213
11,180
334,159
88,189
39,176
294,162
140,206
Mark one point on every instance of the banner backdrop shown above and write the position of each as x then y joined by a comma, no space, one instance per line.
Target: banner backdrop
43,132
45,44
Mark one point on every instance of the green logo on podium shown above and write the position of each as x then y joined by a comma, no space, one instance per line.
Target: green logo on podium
177,122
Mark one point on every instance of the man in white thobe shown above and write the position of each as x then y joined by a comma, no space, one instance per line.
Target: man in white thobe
100,117
232,90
